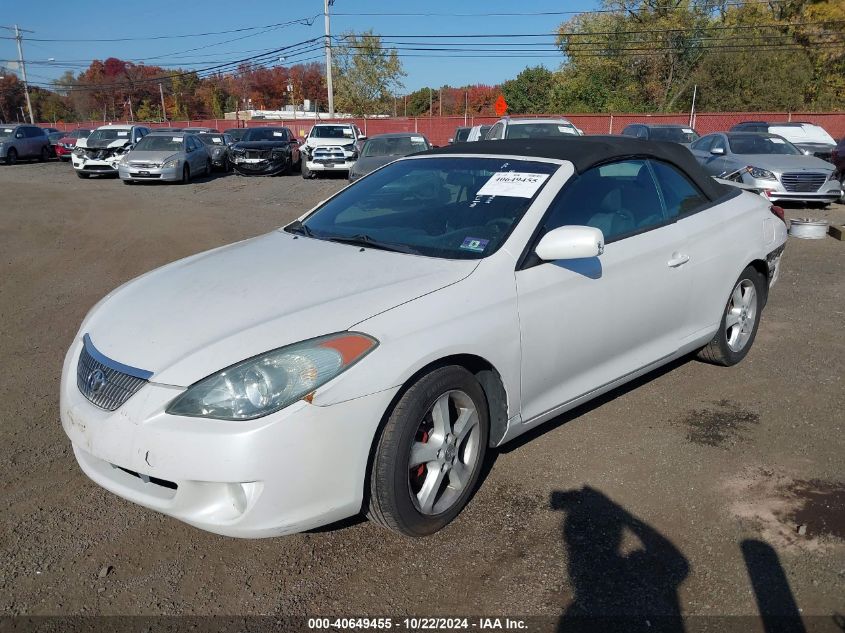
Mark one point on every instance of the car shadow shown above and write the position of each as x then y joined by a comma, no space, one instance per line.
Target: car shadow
624,574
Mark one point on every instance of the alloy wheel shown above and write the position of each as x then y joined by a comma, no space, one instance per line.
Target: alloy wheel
741,315
444,453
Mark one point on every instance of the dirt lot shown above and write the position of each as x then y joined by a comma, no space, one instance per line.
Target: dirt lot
665,495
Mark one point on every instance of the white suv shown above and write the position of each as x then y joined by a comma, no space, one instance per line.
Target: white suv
532,128
100,153
330,147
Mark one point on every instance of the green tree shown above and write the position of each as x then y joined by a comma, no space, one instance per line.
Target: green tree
530,91
366,75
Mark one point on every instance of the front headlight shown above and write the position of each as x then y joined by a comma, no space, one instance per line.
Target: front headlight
762,174
79,151
171,162
350,147
267,383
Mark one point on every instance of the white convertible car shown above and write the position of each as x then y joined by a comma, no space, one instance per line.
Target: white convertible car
366,356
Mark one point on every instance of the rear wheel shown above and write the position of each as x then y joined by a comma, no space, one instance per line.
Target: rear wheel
739,323
45,155
186,175
11,156
430,453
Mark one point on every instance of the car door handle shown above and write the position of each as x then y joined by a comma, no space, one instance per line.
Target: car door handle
678,259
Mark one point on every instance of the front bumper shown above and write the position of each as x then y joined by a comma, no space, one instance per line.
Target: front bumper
830,191
166,174
297,469
258,166
63,153
95,166
321,165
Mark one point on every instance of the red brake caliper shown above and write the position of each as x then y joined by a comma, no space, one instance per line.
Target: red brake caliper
421,467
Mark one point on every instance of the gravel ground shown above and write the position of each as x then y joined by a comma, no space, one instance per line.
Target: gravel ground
681,492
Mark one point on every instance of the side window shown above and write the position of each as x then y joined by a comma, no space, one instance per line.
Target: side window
679,194
618,198
703,144
34,132
497,131
642,132
630,130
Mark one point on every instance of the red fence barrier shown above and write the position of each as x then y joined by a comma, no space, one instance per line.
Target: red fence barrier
440,129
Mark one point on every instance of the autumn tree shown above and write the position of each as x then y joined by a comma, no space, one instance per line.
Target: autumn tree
366,75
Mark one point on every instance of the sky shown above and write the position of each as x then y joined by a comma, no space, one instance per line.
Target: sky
96,19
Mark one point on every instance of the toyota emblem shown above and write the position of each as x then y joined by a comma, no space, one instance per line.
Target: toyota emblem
96,381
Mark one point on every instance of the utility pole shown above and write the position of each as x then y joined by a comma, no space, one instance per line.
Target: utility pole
326,5
163,109
22,65
692,108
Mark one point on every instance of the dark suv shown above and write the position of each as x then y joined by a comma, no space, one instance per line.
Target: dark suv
670,132
23,141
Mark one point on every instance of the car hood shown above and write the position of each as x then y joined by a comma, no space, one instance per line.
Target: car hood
364,166
102,144
330,142
778,162
155,156
198,315
260,144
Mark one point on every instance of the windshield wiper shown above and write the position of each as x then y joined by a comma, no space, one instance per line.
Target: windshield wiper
369,242
299,228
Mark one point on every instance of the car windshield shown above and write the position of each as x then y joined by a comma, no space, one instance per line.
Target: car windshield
159,143
264,134
540,130
803,133
446,207
331,131
236,133
109,135
211,139
395,146
673,134
6,132
79,134
757,144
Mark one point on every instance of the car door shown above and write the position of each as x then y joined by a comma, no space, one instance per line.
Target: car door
196,158
586,323
34,140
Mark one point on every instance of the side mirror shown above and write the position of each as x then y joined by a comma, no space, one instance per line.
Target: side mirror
807,152
718,151
19,135
570,242
362,138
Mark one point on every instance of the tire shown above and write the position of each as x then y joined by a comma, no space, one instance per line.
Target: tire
44,156
307,174
186,175
80,174
729,347
208,167
418,499
11,156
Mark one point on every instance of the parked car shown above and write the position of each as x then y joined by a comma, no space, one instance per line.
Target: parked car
330,147
461,135
670,132
54,138
67,143
768,162
217,146
371,352
199,130
167,129
810,138
265,151
478,133
511,128
23,141
165,157
384,148
100,153
237,133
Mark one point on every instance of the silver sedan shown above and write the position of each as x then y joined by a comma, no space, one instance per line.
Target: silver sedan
770,164
165,157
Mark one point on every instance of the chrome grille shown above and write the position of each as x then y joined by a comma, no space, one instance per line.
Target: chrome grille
329,154
106,383
803,181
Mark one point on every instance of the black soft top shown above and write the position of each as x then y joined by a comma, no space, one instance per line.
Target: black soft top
588,151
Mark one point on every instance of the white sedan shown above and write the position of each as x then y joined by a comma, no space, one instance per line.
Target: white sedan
366,356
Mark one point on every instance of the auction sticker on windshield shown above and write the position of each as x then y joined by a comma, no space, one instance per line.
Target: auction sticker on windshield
513,183
474,244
